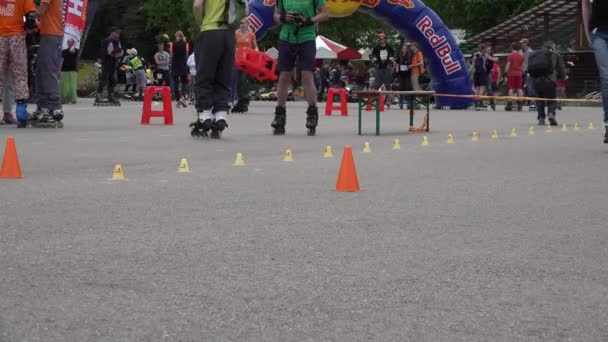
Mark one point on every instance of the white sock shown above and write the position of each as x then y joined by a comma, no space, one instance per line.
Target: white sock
204,115
221,116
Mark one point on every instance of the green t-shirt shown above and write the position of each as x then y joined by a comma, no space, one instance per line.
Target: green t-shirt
289,31
213,15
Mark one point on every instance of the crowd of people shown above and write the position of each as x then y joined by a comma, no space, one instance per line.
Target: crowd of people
206,75
17,17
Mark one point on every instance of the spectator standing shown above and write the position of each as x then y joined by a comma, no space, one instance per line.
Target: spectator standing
109,56
417,66
179,51
383,57
163,65
244,39
404,74
545,67
68,83
528,85
515,75
13,56
50,13
595,19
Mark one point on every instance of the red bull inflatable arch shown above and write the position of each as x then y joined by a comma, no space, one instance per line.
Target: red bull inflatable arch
413,19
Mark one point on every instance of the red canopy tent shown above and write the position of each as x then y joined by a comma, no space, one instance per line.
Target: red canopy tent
328,49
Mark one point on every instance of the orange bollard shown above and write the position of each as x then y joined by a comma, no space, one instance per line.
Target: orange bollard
347,178
10,163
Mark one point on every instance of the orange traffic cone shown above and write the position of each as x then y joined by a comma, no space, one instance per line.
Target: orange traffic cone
347,178
10,163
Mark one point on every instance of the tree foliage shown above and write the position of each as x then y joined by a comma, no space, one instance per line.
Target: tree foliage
143,21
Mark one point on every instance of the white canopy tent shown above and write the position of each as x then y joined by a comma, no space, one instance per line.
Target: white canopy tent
273,52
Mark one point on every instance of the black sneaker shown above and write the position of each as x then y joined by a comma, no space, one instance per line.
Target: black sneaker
552,122
606,136
541,122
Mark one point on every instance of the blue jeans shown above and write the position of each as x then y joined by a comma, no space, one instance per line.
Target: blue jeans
599,42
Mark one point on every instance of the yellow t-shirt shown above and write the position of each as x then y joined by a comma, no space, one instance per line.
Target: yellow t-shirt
213,14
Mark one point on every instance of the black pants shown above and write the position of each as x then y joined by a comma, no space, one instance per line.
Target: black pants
214,62
242,87
177,80
547,89
165,78
108,78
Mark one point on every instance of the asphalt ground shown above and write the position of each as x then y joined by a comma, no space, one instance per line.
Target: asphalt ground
497,240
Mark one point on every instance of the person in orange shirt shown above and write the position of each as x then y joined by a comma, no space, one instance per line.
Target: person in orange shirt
417,67
13,52
244,38
49,110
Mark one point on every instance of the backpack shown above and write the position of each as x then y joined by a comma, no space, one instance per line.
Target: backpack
234,12
540,63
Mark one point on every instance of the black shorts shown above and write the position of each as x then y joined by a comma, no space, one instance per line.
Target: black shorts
480,80
305,53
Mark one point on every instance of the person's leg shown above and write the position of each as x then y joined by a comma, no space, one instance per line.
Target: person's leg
550,92
17,62
49,55
104,80
416,82
112,81
8,95
64,87
185,88
600,46
286,62
538,85
140,76
207,56
222,84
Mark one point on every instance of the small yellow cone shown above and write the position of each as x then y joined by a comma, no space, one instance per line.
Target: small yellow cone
396,144
475,136
549,129
239,161
183,166
288,156
328,152
565,128
531,131
577,127
494,134
450,139
591,125
118,174
514,132
367,148
425,141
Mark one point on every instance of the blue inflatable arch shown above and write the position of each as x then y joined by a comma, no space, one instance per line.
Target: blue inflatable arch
413,19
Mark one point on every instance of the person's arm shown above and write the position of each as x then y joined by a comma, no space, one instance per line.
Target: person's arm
419,62
42,8
281,17
197,9
561,69
255,42
322,15
586,11
508,67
